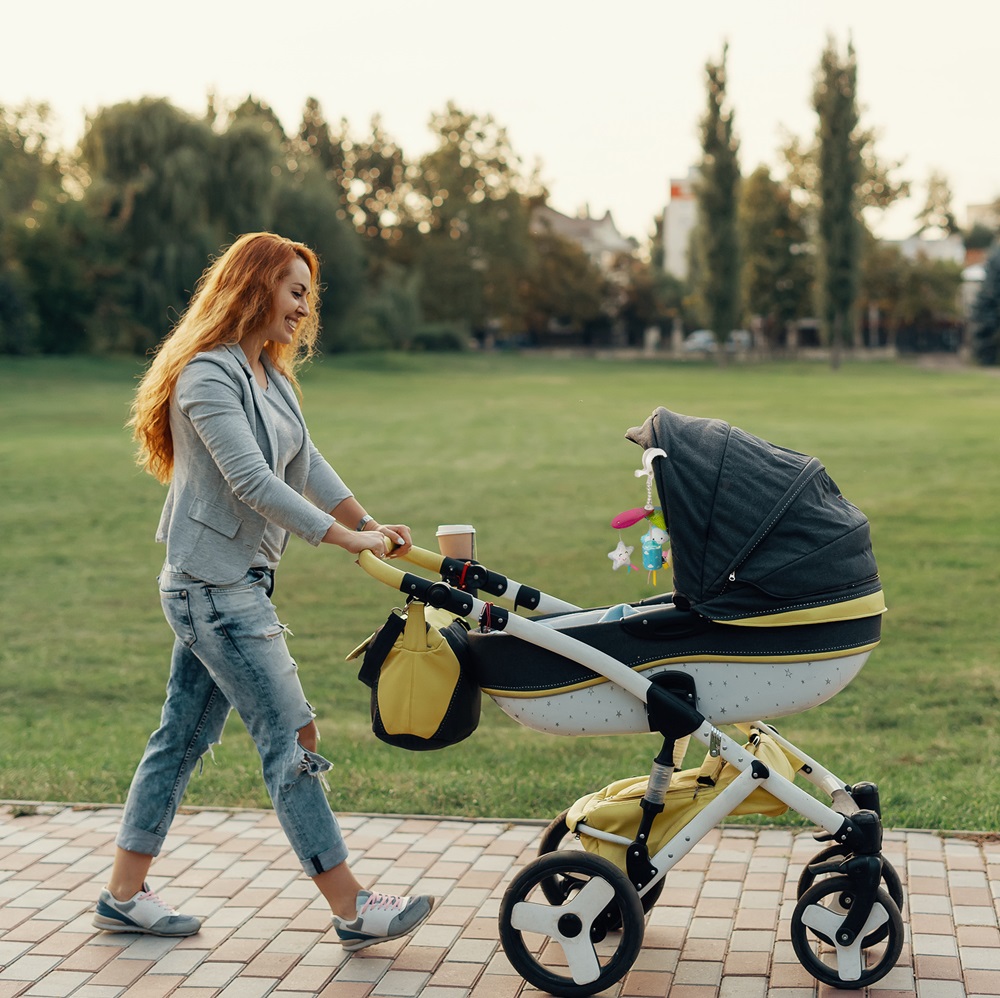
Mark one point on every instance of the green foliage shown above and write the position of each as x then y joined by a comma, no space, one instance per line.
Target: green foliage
388,317
562,291
438,337
85,647
18,320
835,102
59,256
986,315
29,185
777,264
474,223
979,237
907,292
936,214
717,236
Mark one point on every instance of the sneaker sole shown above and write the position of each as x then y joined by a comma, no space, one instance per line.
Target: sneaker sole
355,944
113,925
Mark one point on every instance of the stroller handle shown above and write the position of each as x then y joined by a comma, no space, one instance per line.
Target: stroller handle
506,589
381,570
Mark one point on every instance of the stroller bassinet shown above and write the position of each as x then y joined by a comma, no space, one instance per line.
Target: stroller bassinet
776,606
777,598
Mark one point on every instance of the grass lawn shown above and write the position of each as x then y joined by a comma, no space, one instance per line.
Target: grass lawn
531,450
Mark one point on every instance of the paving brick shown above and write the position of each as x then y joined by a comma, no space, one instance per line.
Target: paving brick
721,928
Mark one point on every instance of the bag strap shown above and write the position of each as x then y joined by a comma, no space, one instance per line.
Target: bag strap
415,631
379,647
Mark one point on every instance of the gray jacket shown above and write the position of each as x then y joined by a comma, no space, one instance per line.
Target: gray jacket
224,488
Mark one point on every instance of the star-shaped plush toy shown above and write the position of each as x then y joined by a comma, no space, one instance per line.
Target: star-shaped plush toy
621,556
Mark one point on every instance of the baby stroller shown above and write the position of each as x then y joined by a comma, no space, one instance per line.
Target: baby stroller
776,606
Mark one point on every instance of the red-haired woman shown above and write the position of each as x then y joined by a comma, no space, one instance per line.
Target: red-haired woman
217,417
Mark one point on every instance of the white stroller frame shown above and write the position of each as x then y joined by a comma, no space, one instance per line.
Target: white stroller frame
846,928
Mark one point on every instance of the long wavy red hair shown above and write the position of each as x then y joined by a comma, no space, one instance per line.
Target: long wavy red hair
233,297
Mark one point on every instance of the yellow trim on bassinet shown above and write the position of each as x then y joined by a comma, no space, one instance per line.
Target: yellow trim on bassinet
597,680
853,609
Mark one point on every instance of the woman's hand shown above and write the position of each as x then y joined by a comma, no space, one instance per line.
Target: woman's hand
398,537
382,539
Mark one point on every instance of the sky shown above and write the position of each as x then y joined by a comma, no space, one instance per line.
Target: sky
605,97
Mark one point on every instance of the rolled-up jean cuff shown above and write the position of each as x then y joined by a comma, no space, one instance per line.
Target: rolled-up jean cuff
139,840
325,860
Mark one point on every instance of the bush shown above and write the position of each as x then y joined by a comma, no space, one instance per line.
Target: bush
439,337
986,315
19,326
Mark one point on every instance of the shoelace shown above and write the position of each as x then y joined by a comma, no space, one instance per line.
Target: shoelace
157,900
387,902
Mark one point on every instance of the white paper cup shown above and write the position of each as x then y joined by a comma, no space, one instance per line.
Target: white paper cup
457,540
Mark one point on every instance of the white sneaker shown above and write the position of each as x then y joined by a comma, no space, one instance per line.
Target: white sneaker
381,917
144,912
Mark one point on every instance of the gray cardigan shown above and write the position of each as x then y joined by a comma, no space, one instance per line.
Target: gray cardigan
224,489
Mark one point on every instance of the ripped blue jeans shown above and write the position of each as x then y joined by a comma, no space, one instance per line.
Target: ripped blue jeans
230,654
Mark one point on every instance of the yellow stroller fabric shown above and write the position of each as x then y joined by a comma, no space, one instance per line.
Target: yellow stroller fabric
615,808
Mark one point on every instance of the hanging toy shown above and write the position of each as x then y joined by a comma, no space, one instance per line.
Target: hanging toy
653,541
621,557
652,555
629,518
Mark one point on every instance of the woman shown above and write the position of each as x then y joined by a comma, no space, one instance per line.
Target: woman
217,416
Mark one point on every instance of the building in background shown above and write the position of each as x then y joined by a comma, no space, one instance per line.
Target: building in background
680,216
599,238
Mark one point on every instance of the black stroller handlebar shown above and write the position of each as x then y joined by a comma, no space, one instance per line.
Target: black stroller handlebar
461,576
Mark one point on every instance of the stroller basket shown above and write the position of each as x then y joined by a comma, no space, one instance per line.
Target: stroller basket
616,809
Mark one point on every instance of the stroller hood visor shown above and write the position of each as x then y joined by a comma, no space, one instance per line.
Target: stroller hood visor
754,528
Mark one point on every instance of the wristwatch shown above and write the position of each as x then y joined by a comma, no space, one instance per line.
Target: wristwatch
363,522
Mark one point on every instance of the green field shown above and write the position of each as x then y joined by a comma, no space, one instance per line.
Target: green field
531,450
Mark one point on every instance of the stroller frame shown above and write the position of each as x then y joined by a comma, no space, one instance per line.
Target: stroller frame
846,927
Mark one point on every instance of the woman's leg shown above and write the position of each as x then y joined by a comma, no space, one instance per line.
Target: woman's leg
239,639
193,717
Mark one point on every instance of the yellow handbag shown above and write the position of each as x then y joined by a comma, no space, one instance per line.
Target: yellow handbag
423,694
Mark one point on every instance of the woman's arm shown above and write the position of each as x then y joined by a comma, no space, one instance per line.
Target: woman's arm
352,518
208,397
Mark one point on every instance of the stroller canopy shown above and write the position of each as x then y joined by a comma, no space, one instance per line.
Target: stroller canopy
757,531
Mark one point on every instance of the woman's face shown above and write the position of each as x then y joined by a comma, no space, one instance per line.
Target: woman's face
291,303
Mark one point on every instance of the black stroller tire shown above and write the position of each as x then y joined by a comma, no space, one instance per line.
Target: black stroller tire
890,881
571,937
822,905
558,836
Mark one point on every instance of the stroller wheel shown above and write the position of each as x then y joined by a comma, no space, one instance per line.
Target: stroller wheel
890,881
557,836
561,948
819,914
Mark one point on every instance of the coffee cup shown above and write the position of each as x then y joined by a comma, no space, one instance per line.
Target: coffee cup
457,540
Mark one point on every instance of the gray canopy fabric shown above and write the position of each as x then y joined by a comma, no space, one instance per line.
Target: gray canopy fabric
755,529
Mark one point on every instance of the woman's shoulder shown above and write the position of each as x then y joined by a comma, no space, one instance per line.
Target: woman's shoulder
222,363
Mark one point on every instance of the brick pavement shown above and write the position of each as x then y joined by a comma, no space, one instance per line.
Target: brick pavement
720,930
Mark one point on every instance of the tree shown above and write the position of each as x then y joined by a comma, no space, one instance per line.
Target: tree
30,190
248,166
371,177
152,180
472,220
716,236
883,280
986,315
840,228
777,278
306,210
936,214
562,290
